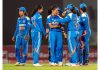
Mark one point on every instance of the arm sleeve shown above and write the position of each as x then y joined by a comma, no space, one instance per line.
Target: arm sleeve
16,31
41,26
86,24
63,20
33,19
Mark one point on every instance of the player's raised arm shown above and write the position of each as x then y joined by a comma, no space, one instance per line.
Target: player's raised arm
63,20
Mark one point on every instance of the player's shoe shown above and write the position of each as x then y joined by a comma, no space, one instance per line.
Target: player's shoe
37,65
52,64
17,64
81,64
60,64
68,64
22,64
85,64
55,64
74,64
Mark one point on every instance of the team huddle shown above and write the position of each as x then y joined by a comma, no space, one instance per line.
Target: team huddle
76,34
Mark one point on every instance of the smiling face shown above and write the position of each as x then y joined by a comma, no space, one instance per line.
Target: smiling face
21,13
40,10
55,11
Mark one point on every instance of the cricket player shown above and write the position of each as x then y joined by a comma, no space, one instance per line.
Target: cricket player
80,43
71,19
21,36
64,13
87,32
47,32
47,35
55,38
36,33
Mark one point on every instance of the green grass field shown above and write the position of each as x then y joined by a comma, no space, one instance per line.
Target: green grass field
92,66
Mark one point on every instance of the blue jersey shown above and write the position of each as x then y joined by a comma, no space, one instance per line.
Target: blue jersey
22,27
79,23
71,19
50,20
37,24
85,22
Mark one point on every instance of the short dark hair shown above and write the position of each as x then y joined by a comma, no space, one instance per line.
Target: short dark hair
73,10
53,7
83,9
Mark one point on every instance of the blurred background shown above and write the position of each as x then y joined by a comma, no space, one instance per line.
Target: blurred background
10,15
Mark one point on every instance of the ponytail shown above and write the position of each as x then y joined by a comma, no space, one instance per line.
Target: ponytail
26,14
49,11
33,12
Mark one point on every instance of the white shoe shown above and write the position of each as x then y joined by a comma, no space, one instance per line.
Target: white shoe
22,64
68,64
52,64
74,64
37,65
60,63
17,64
55,64
80,64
